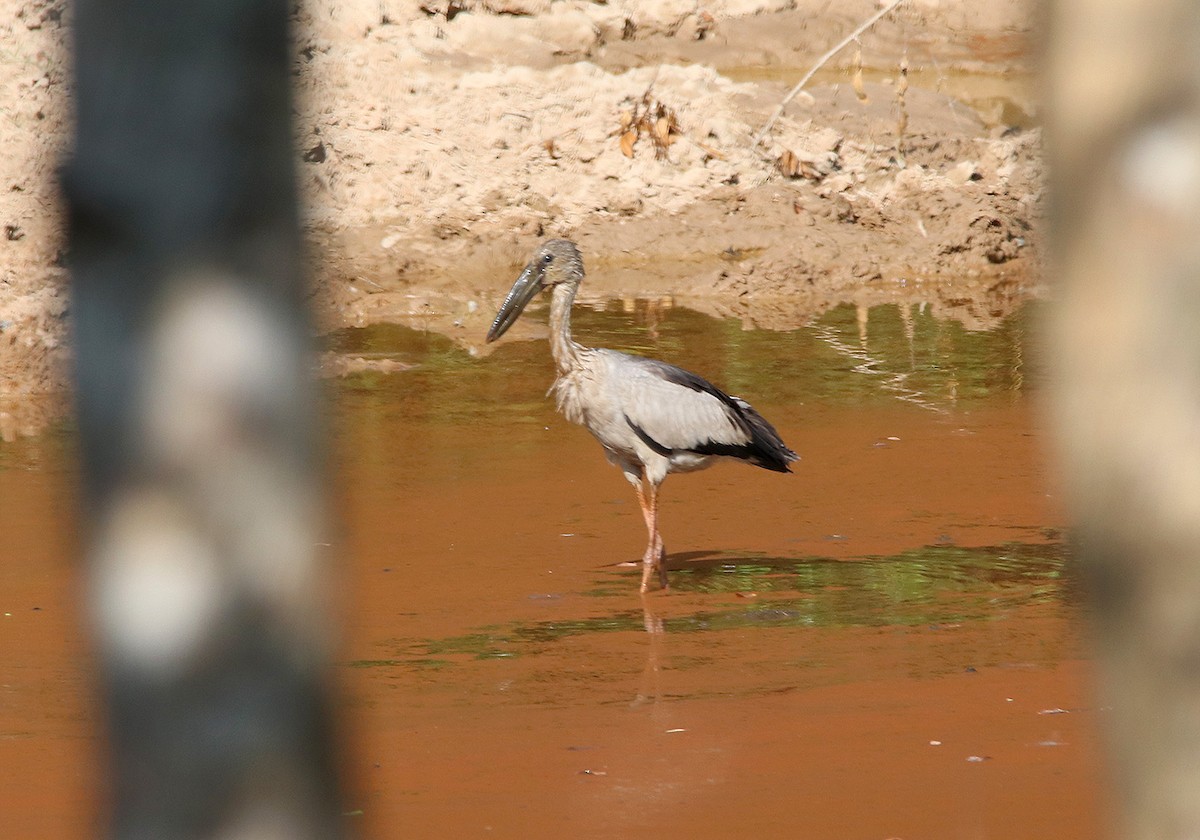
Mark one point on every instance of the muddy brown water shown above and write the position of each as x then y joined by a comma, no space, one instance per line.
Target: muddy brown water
887,643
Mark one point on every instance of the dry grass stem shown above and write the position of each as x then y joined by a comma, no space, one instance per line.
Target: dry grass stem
841,45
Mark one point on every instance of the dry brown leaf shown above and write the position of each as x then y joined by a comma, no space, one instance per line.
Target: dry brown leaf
627,140
793,166
662,130
857,82
788,163
654,120
859,90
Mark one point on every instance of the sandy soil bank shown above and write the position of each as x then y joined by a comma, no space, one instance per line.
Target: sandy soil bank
440,141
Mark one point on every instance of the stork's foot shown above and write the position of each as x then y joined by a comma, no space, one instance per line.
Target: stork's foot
651,562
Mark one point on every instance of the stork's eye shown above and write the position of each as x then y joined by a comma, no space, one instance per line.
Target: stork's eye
547,258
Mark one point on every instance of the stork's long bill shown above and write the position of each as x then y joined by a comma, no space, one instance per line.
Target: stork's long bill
523,291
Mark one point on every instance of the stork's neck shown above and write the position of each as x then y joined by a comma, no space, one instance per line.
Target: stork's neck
564,350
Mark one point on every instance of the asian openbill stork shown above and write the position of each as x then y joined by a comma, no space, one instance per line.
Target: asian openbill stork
652,418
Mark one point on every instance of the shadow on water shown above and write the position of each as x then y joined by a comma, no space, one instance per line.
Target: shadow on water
926,586
906,578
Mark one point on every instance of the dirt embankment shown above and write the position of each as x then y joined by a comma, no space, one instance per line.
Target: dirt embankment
441,140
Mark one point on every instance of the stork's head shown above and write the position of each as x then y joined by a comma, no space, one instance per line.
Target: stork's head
556,262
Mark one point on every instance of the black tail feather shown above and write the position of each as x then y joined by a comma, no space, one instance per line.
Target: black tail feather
766,447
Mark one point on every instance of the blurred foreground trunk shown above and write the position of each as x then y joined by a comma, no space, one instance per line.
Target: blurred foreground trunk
198,426
1124,112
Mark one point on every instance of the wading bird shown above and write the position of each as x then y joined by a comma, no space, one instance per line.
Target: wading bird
652,418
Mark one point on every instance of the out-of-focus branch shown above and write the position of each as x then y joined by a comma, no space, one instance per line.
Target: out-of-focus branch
1124,108
197,420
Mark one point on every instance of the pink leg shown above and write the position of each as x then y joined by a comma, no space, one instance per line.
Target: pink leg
656,553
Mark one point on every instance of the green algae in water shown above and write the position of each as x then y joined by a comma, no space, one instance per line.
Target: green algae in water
926,586
908,355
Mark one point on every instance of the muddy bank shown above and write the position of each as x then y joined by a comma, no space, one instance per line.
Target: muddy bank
440,141
860,188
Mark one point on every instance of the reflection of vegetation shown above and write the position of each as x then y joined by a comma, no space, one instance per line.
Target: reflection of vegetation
937,358
501,643
901,578
53,450
448,394
445,386
448,388
933,585
927,585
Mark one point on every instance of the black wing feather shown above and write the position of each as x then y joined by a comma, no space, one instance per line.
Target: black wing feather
765,447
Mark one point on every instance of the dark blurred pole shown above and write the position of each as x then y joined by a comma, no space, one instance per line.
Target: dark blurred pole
1123,108
197,419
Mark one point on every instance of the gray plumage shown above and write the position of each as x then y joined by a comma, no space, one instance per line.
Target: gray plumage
652,418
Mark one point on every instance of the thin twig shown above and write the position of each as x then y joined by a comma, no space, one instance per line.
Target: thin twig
863,27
